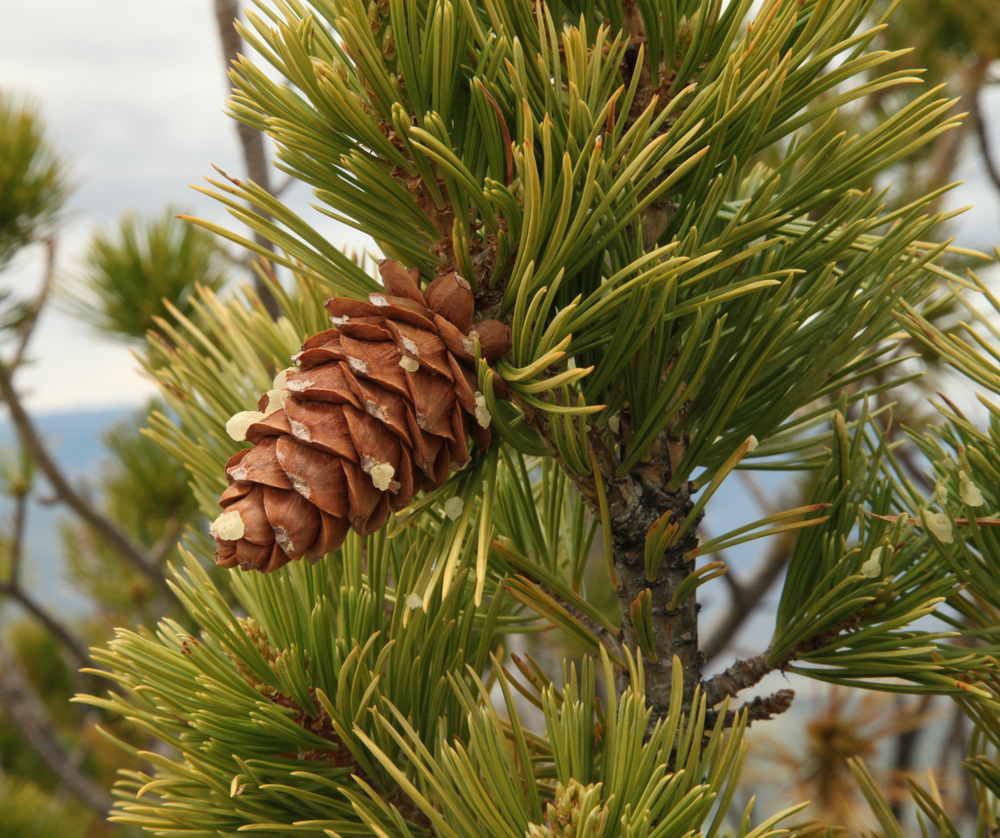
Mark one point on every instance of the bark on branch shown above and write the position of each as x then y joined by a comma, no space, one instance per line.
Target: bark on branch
28,435
740,676
27,712
761,709
12,587
227,12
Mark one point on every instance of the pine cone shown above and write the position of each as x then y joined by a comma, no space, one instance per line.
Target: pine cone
380,407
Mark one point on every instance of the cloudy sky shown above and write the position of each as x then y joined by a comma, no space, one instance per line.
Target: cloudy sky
133,96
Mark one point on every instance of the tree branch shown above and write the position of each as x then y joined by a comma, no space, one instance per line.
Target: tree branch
31,718
28,329
948,145
131,552
13,588
167,542
52,625
227,12
757,492
761,709
740,676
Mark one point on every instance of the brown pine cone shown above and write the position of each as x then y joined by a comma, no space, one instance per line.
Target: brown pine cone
380,407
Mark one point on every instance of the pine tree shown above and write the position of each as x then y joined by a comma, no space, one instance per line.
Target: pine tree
677,309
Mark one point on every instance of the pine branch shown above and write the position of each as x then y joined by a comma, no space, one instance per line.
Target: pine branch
28,328
947,149
31,718
120,541
227,12
739,676
52,625
761,709
638,500
13,589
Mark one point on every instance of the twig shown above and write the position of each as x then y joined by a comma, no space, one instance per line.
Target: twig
227,12
28,329
948,146
17,540
285,185
761,709
602,634
53,626
740,676
131,552
31,718
12,587
906,746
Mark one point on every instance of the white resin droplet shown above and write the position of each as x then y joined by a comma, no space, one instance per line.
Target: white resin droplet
873,566
969,491
415,602
453,508
228,526
483,416
940,525
382,476
409,364
275,400
237,426
280,378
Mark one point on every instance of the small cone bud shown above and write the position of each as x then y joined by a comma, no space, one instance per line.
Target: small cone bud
494,339
377,409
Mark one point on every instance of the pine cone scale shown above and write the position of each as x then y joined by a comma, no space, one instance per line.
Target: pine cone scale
320,426
377,447
425,348
326,383
294,519
317,476
386,406
260,465
432,399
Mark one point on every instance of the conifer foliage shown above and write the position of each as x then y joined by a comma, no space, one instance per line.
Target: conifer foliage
590,274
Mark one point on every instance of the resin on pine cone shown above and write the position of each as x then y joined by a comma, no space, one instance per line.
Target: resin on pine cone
380,407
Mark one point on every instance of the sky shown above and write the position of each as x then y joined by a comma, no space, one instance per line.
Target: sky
134,98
